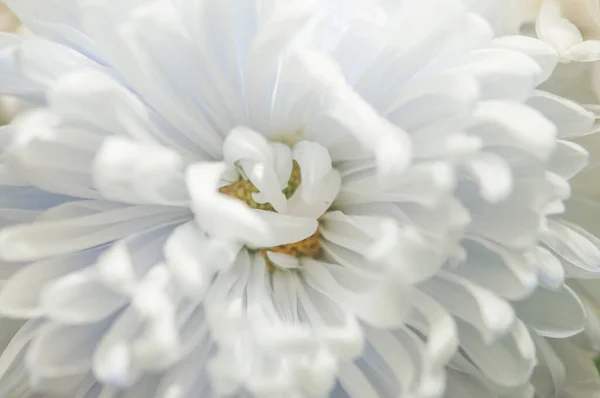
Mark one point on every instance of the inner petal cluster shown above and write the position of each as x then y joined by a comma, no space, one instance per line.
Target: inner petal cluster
244,190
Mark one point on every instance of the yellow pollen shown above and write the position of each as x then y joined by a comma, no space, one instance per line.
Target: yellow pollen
243,190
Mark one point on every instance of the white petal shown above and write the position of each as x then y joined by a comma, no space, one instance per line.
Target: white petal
586,51
432,99
442,339
80,225
20,297
514,274
573,244
426,183
509,362
555,29
264,178
315,165
194,258
399,248
330,188
284,229
138,52
128,171
550,375
568,159
283,260
550,269
114,366
55,20
510,123
582,374
485,311
350,115
555,314
501,73
346,232
493,175
243,143
82,97
541,52
184,378
282,163
79,298
571,119
222,216
50,156
394,358
355,383
41,63
64,350
383,306
14,351
464,385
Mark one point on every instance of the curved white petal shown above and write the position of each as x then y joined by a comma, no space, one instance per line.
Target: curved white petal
315,165
60,351
493,175
555,314
194,258
128,171
570,118
490,315
243,143
218,214
283,228
541,52
80,225
282,163
264,178
382,306
330,188
509,362
20,297
80,298
508,123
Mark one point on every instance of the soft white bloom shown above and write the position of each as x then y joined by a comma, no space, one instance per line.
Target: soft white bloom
572,27
567,367
280,198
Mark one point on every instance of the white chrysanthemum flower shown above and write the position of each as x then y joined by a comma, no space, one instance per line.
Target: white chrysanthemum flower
277,198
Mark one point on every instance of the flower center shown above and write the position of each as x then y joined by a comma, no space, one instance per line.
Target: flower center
244,189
